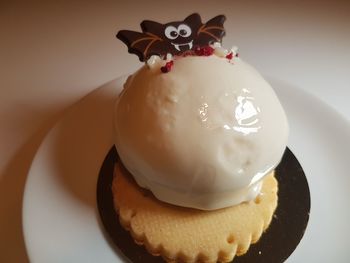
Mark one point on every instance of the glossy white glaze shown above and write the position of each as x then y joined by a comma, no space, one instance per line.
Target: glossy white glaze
202,135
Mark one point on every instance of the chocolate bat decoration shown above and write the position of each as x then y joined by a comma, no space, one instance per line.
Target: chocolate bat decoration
174,37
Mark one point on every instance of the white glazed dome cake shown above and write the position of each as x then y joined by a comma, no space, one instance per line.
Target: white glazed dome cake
201,129
203,135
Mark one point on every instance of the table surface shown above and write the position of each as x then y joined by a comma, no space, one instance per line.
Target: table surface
54,53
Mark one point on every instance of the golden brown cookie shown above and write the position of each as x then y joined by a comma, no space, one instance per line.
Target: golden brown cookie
189,235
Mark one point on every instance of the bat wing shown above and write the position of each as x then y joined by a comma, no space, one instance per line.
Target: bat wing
212,31
143,45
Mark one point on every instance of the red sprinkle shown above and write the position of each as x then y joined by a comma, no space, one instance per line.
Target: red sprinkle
167,67
197,51
229,56
208,51
204,51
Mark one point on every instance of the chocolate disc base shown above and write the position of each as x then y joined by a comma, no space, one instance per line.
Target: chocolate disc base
276,244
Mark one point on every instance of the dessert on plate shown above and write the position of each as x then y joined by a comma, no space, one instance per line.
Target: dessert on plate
199,133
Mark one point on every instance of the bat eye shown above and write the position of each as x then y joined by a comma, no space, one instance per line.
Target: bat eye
171,32
184,30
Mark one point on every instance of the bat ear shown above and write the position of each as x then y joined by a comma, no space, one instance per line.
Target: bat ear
218,20
194,19
152,27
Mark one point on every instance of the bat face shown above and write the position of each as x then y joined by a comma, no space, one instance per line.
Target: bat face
173,37
180,36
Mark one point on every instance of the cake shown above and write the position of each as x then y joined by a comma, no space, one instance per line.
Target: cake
199,133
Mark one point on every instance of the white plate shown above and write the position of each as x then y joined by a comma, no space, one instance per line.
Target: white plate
60,218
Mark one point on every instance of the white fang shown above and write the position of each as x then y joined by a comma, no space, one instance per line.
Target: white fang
177,46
